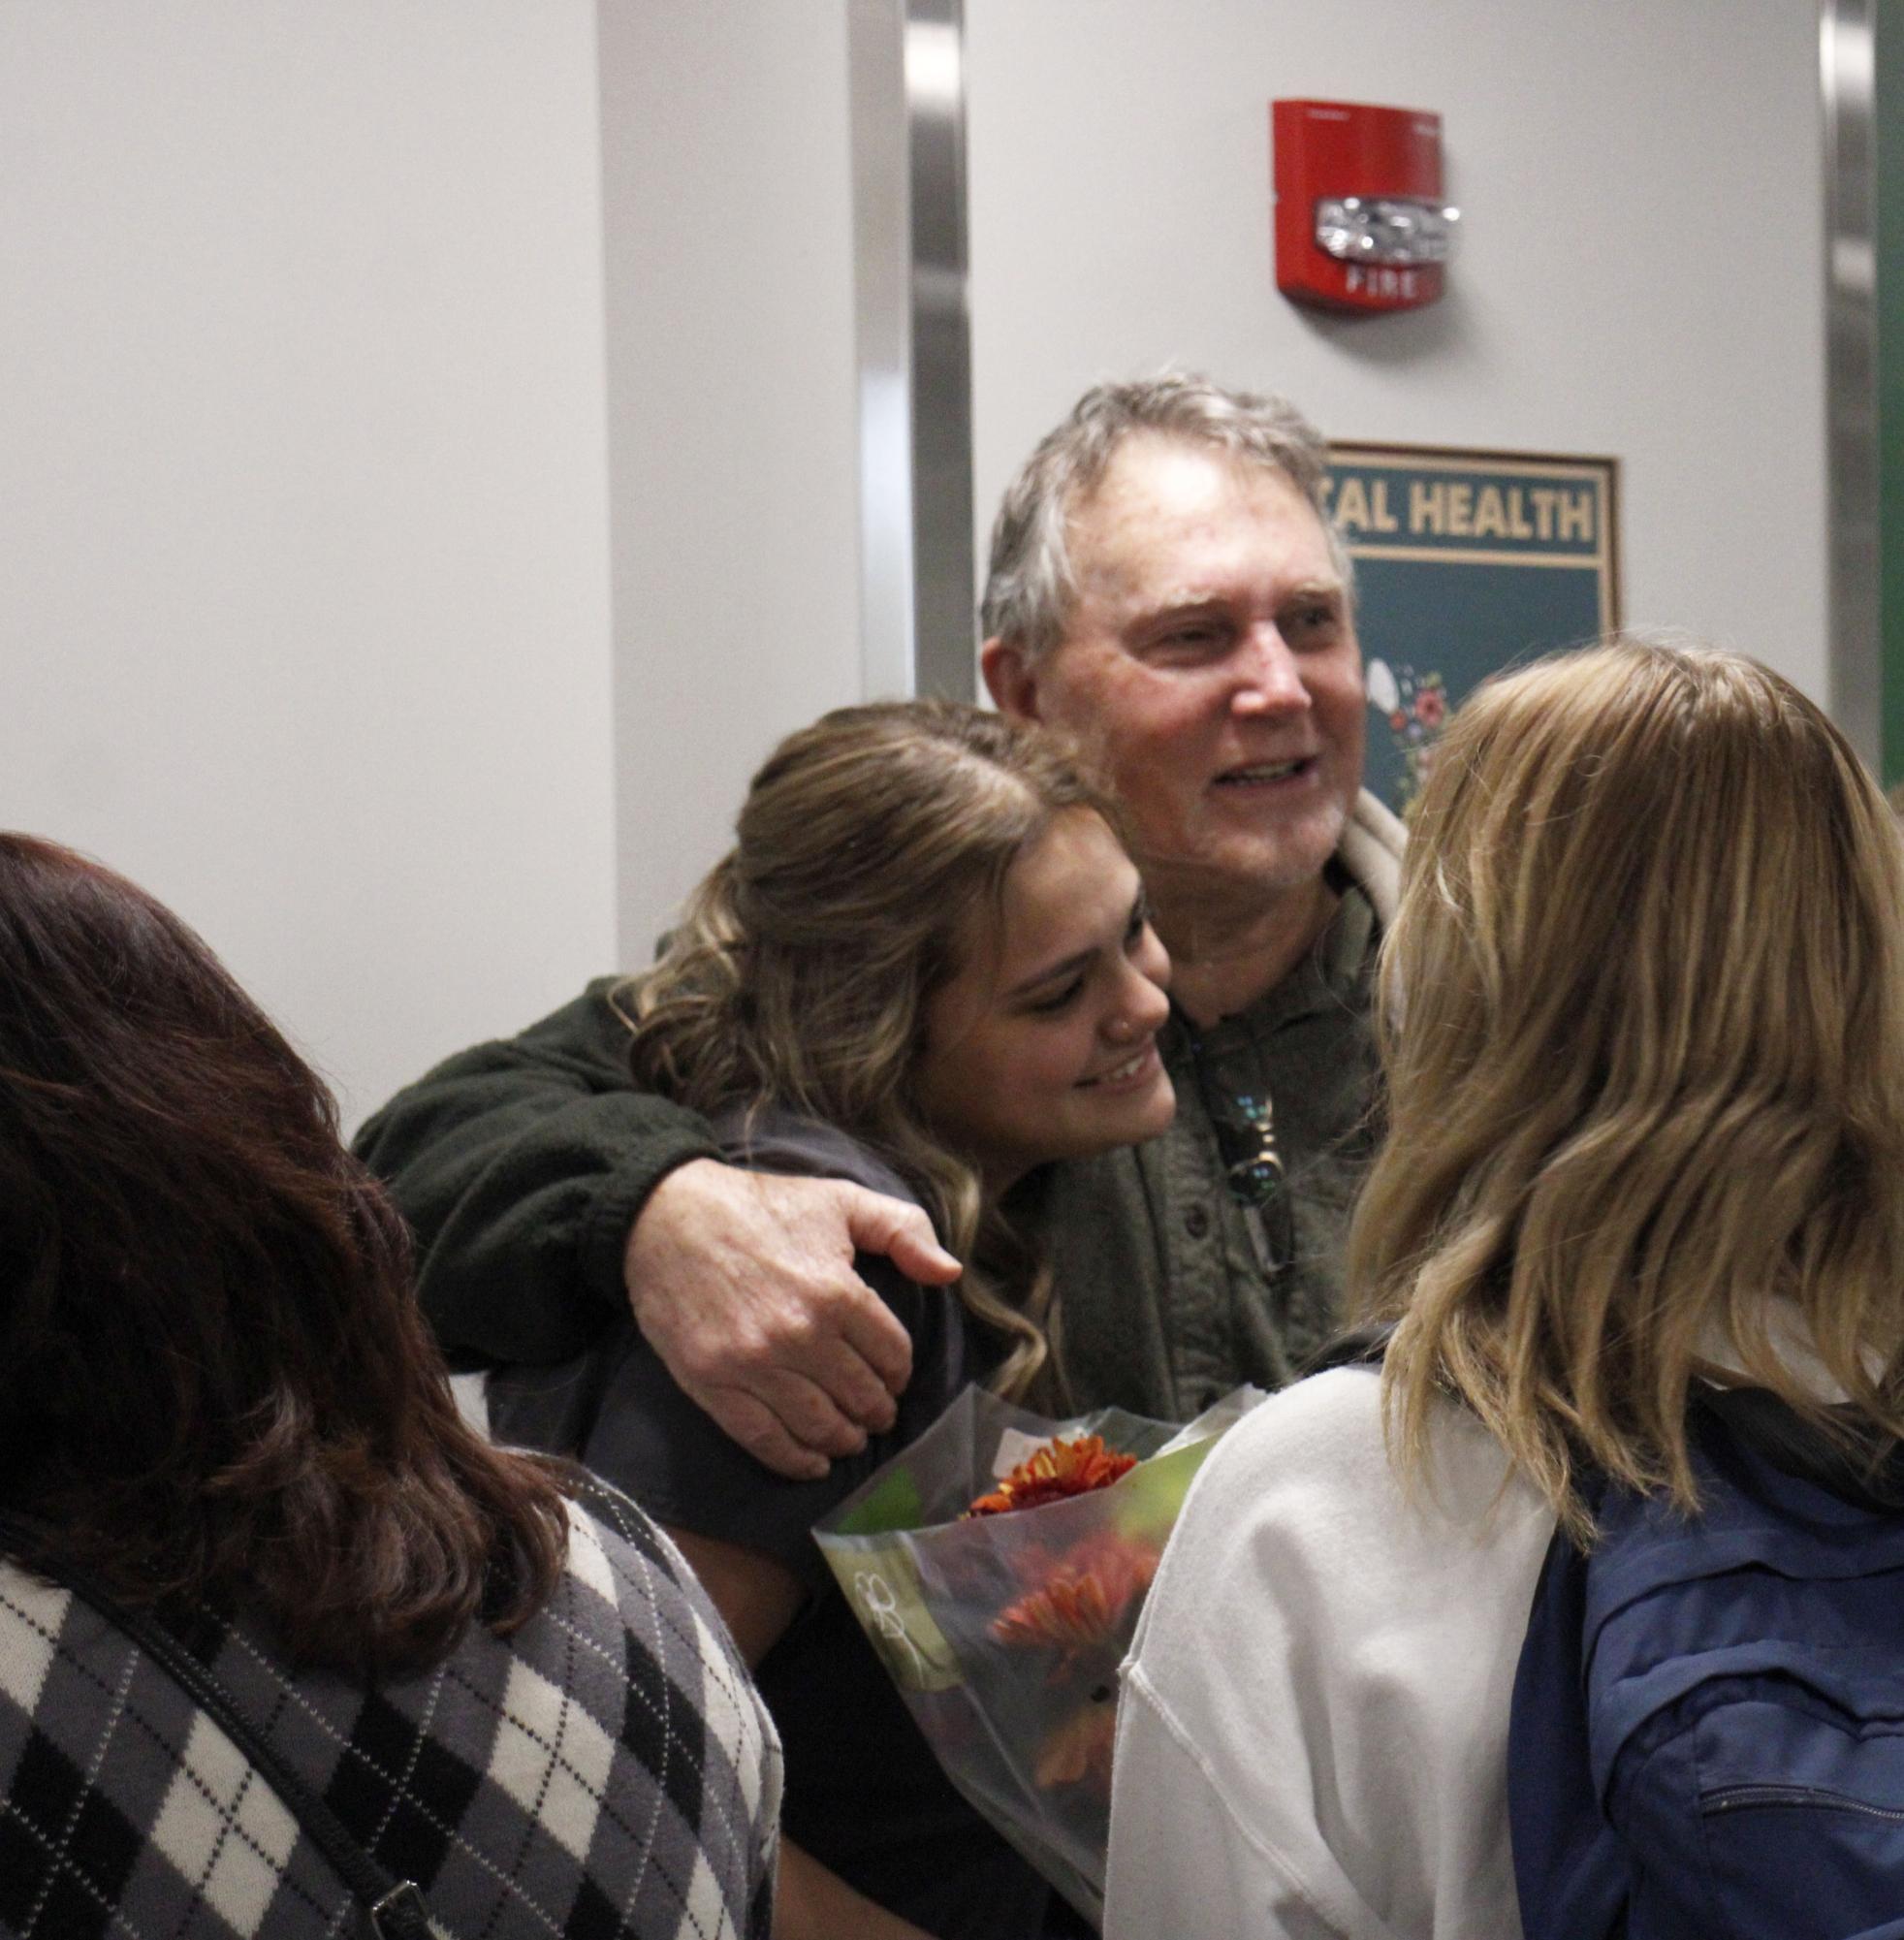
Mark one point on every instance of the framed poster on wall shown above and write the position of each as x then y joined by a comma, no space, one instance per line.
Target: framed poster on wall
1466,561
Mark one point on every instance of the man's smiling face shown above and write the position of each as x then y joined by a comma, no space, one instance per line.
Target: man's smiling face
1210,661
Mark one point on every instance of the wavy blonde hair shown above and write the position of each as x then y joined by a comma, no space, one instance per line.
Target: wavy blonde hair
869,850
1642,1012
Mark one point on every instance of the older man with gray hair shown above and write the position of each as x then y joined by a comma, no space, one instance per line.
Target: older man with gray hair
1165,583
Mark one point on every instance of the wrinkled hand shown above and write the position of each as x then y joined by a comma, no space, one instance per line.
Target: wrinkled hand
743,1283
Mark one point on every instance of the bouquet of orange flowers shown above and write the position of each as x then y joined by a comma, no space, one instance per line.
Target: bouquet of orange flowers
998,1565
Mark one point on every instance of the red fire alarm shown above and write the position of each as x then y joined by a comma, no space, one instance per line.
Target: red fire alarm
1360,223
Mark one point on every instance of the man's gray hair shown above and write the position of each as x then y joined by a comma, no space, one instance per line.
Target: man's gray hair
1028,585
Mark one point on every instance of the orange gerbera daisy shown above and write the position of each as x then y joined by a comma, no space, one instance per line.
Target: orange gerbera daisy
1056,1470
1084,1600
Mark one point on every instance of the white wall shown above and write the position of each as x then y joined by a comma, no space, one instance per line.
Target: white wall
303,573
731,410
1639,271
306,436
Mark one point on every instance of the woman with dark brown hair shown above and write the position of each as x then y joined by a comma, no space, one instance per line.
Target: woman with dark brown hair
221,1413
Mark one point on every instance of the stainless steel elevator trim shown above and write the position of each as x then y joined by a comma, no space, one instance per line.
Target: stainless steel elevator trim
1847,80
913,346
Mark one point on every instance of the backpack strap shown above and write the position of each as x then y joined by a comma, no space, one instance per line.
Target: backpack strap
392,1908
1569,1871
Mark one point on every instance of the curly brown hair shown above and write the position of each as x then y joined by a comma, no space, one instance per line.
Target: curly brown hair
800,970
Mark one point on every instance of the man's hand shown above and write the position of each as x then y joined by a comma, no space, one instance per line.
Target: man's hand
743,1283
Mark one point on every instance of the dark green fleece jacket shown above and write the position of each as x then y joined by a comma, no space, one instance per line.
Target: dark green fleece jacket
521,1165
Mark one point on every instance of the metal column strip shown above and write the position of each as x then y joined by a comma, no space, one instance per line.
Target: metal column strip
914,347
1847,76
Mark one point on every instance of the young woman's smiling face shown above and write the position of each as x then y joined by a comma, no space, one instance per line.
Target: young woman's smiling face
1044,1044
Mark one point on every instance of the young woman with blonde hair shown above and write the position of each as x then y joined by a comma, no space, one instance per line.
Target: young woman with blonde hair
1643,1021
924,966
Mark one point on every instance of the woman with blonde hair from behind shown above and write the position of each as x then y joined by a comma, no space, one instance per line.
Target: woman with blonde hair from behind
1643,1034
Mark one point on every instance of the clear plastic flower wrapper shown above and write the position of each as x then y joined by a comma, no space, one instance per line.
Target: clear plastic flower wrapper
1003,1631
